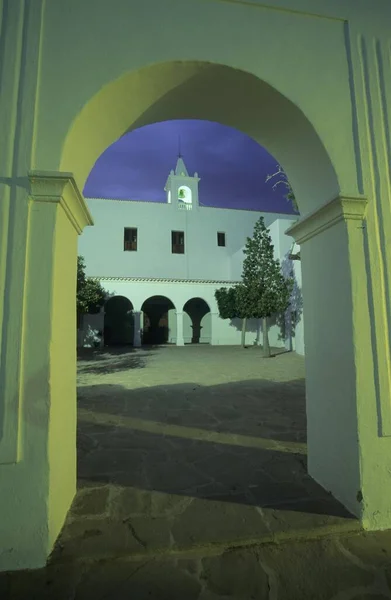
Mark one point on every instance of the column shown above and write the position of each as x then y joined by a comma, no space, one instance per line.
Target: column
214,317
138,328
40,483
342,417
179,329
101,326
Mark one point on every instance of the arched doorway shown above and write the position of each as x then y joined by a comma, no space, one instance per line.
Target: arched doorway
327,224
318,142
118,322
196,322
156,311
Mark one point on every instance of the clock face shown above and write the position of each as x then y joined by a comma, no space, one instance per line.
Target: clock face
184,194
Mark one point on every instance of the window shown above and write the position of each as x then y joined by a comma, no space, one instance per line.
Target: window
220,238
130,239
177,242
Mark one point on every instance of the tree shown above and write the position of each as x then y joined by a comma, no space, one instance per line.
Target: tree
290,196
265,291
90,295
231,303
226,302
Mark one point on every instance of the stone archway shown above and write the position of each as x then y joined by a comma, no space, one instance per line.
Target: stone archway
197,328
156,319
118,322
210,91
330,137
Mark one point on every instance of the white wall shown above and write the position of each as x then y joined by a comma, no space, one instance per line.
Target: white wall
215,330
102,245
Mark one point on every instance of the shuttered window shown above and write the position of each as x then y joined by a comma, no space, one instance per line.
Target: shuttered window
177,242
220,238
130,239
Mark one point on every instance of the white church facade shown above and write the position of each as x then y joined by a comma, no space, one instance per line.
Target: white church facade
161,264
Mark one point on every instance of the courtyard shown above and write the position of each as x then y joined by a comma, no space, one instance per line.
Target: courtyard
187,448
192,483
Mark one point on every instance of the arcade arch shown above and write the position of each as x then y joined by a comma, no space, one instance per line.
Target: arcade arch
156,312
197,322
118,327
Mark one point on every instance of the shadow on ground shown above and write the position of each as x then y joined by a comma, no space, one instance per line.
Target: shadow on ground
256,408
168,465
240,442
101,361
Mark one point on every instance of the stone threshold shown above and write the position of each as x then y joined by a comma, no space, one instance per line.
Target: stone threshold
349,528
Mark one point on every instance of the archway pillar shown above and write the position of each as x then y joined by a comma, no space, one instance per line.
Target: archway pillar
179,329
138,328
340,390
41,479
214,317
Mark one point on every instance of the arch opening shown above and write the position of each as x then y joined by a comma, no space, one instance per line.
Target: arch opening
213,92
197,322
156,318
205,91
118,322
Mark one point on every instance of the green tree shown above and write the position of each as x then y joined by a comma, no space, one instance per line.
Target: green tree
265,291
290,196
90,295
226,302
231,303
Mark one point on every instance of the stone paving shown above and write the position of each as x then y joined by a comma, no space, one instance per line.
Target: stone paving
192,483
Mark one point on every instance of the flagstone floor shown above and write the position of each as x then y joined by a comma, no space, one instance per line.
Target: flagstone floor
192,483
181,448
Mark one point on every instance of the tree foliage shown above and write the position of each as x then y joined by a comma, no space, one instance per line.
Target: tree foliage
263,291
290,196
267,290
90,295
226,302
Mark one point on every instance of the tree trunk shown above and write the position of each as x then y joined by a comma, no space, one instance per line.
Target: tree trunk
244,325
266,347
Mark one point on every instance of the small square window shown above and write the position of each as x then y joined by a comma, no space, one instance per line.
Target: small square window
130,239
220,238
177,242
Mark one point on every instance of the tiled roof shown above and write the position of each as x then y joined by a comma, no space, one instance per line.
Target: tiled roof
164,203
162,280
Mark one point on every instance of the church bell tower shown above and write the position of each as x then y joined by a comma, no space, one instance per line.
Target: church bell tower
181,188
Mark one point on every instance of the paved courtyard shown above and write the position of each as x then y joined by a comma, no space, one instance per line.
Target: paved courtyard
192,483
185,448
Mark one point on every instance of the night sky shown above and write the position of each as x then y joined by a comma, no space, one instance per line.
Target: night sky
231,166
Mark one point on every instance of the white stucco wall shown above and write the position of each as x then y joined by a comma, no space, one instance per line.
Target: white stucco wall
103,250
215,330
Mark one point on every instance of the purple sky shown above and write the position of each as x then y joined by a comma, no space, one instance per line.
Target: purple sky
232,167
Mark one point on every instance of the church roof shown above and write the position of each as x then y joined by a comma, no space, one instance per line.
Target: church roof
165,280
180,168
